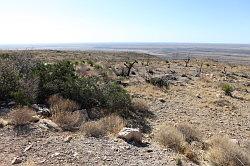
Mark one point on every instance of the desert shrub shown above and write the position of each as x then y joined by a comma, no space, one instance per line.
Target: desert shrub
225,153
22,116
93,129
68,121
64,112
97,66
9,77
189,133
53,77
105,126
170,137
139,105
228,89
91,63
114,97
89,92
59,104
17,81
112,124
160,82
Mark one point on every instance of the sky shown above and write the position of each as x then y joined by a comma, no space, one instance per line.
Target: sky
83,21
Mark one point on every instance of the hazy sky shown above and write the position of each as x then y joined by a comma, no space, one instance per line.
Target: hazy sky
64,21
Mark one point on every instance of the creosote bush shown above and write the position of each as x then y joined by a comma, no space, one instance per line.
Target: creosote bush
228,89
22,116
160,82
89,92
225,153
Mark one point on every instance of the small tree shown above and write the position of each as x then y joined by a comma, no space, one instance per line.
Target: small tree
129,66
187,61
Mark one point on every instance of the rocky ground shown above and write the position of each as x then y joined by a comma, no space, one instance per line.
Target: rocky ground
193,97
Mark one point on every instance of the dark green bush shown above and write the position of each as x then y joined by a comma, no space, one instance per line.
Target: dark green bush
17,82
160,82
89,92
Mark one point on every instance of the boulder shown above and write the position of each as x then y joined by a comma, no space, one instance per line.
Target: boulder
130,134
4,122
49,124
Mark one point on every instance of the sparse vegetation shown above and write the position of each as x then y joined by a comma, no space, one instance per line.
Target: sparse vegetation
190,134
106,126
68,121
228,89
160,82
170,137
22,116
223,152
64,112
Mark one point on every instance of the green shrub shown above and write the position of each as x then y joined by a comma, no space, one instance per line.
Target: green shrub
9,77
53,77
17,82
228,89
160,82
89,92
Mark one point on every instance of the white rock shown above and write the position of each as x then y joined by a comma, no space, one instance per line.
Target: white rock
130,134
51,125
235,141
16,160
68,139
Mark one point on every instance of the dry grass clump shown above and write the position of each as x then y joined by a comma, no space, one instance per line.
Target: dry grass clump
112,124
105,126
170,137
58,103
22,116
64,112
225,153
140,105
190,134
93,129
68,121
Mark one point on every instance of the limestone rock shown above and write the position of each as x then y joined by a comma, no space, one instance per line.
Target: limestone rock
49,124
130,134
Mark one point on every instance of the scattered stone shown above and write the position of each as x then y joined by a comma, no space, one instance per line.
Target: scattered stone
55,154
150,150
28,148
162,100
16,160
35,119
49,124
235,141
130,134
45,112
3,123
68,139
